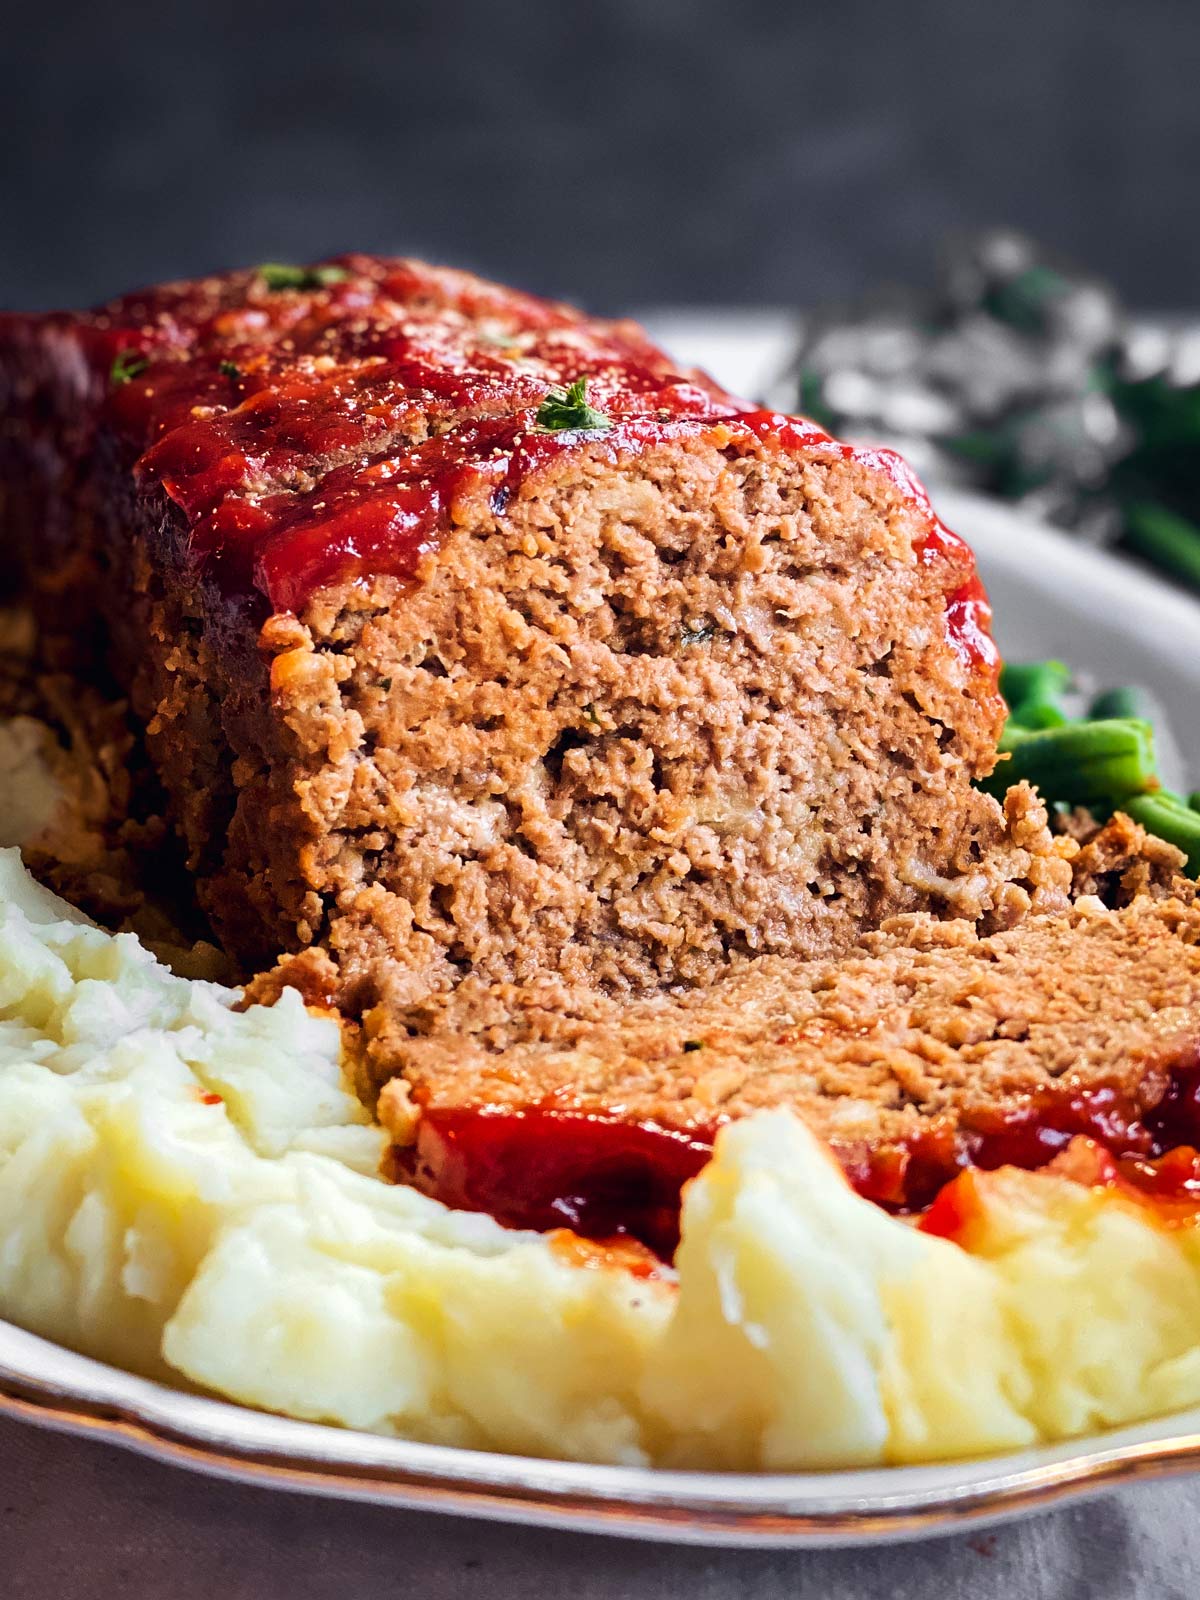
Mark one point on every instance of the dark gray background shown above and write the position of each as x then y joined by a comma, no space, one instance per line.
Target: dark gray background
622,152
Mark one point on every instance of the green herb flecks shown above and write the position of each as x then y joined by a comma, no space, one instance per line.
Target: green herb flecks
693,1044
230,370
279,275
127,365
566,410
386,685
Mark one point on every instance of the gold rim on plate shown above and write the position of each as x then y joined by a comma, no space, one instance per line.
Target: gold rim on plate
43,1384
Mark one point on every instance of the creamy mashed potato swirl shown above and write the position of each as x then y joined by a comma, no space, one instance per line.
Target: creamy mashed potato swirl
191,1191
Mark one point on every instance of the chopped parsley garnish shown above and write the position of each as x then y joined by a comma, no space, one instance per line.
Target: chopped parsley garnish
230,370
693,1044
567,410
701,633
279,275
127,365
589,713
386,685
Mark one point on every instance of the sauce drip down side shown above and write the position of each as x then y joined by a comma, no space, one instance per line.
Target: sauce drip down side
548,1168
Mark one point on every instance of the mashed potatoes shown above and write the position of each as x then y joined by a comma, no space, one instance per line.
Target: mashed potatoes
189,1190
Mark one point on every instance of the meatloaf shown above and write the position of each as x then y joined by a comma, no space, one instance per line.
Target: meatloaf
931,1048
472,635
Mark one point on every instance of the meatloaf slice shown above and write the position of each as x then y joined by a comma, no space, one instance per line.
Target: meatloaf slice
444,678
931,1048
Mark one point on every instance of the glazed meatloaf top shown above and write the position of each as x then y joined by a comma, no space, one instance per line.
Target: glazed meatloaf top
329,422
471,636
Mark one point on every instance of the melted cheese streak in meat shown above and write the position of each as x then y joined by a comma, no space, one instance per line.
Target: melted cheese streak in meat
189,1190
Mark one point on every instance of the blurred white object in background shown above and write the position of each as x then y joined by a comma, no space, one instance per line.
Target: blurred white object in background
745,351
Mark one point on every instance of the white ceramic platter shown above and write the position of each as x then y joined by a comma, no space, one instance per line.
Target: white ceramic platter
43,1384
1052,598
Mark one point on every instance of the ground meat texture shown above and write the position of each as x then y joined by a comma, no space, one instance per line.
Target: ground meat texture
441,693
930,1048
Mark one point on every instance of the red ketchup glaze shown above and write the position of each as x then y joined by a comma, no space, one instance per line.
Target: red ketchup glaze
319,434
1167,1187
907,1177
1171,1183
547,1168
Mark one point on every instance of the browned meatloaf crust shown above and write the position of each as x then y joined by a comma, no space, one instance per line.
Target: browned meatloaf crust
932,1047
442,690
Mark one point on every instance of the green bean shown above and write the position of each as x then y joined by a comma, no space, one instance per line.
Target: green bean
1082,763
1124,702
1032,689
1167,817
1036,714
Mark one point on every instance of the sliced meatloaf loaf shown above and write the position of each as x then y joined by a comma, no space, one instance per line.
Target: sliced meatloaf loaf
469,634
931,1047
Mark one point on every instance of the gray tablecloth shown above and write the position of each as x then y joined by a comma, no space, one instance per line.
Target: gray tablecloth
84,1521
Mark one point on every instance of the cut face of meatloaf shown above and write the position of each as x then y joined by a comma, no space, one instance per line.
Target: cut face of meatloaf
931,1048
444,686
